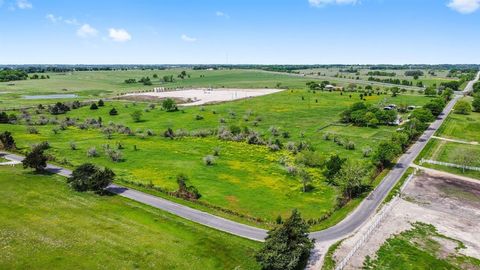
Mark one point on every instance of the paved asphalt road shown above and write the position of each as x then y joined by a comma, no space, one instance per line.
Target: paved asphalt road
342,229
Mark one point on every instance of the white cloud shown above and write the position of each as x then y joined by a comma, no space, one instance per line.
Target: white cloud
71,21
188,39
119,35
24,4
322,3
53,18
464,6
222,14
86,31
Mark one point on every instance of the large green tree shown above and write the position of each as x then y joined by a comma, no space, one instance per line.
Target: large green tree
286,247
35,159
88,177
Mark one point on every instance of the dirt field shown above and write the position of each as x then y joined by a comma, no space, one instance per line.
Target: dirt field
451,205
194,97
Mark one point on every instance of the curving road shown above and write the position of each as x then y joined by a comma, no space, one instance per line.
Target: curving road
342,229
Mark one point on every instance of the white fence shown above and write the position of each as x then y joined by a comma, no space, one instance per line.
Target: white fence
377,220
450,164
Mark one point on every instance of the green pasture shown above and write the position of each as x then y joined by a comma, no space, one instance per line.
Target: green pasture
97,84
247,179
461,127
45,225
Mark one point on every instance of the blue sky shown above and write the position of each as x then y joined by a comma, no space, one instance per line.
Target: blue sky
239,31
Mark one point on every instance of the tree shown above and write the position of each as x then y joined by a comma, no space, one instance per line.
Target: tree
436,106
169,105
136,116
3,118
430,91
59,108
306,179
422,114
386,153
332,167
101,103
286,247
113,112
88,177
463,107
465,157
93,106
476,103
35,159
7,141
350,179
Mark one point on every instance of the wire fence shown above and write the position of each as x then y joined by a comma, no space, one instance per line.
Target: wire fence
374,225
472,168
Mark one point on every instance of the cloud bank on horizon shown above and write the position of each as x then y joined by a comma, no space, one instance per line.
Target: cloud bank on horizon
464,6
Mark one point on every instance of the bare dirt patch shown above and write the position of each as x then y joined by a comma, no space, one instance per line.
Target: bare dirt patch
203,96
450,204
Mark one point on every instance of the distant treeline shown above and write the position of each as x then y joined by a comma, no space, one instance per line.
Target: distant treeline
276,68
7,75
394,81
381,73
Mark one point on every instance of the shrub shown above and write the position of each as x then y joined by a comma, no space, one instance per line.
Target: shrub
367,151
198,117
73,146
114,155
32,130
169,133
59,108
7,141
113,112
92,152
136,116
88,177
184,191
101,103
209,160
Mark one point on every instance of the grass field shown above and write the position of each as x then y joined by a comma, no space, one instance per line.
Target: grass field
461,127
95,84
362,75
247,179
422,247
457,127
45,225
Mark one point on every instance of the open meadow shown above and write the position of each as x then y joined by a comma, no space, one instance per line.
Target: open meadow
46,225
249,180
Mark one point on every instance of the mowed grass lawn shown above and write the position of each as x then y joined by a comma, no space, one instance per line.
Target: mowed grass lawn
461,127
45,225
94,84
247,179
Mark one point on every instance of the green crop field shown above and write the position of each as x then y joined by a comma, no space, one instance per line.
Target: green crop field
45,225
422,247
246,179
